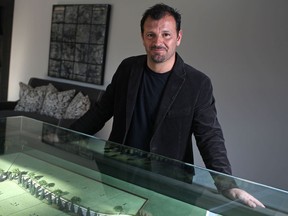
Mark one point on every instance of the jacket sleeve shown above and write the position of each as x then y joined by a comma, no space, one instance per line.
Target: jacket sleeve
208,132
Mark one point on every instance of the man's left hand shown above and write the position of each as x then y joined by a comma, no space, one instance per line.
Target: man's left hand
243,197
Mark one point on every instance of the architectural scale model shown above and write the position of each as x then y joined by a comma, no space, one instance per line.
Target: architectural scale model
67,192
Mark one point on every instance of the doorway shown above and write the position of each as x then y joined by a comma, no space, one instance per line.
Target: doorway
6,23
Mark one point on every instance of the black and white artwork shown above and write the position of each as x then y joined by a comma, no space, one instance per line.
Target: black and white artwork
78,42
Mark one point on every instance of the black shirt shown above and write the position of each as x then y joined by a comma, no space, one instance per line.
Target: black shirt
148,100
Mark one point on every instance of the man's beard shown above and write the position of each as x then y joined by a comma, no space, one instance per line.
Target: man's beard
158,58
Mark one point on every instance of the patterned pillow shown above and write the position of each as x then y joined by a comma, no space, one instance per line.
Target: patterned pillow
56,103
31,99
78,107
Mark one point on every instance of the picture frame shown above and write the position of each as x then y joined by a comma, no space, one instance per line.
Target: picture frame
78,42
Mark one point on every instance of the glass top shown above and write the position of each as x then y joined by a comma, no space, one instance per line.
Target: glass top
61,171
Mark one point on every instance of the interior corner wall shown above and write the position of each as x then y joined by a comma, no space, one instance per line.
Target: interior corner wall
242,45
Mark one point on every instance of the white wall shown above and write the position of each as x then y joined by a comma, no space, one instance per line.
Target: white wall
241,44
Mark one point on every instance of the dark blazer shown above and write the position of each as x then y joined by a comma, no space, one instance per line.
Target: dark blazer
187,107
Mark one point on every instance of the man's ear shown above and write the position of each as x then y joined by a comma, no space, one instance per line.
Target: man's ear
142,38
179,37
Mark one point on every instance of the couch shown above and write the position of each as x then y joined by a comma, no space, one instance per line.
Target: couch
7,108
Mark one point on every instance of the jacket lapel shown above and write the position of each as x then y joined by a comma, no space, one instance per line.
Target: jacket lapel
171,91
133,87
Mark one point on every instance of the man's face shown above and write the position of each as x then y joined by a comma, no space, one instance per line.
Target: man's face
160,39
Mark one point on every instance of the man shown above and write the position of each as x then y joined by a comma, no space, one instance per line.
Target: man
158,102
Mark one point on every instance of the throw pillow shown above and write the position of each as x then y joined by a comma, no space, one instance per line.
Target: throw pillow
78,107
31,99
56,103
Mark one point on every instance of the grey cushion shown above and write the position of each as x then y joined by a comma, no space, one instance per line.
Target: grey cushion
56,103
31,99
78,107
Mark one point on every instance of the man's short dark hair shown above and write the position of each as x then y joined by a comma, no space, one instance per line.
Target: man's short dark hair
158,11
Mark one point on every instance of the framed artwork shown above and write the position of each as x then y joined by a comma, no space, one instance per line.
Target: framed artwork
78,42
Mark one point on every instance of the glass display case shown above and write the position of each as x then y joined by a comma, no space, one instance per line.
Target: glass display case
49,170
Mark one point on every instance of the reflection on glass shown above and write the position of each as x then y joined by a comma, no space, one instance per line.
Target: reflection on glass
58,170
